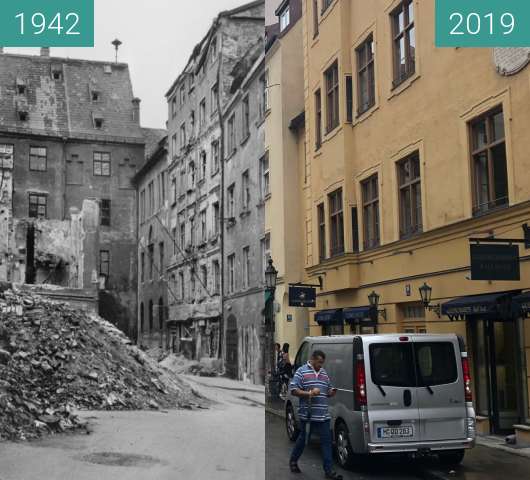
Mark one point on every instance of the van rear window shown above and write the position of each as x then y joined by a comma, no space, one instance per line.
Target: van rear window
413,364
392,364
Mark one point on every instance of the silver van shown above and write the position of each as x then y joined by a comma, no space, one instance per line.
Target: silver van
399,393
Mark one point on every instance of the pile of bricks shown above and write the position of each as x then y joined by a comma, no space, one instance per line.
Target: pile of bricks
55,360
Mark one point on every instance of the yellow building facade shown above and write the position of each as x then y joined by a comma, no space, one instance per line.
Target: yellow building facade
410,151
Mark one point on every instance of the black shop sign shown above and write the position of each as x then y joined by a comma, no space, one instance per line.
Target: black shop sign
495,262
302,296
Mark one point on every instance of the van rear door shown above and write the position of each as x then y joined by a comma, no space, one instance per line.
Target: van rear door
441,398
391,389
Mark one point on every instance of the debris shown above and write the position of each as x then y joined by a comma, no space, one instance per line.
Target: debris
55,360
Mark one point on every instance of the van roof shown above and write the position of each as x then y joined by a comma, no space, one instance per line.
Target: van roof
382,336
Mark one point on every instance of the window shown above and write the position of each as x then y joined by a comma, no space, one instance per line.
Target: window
151,315
57,73
215,98
204,278
6,156
404,36
315,18
174,107
173,189
182,136
328,330
215,157
101,164
192,175
192,232
174,239
204,230
191,82
336,224
365,76
231,135
162,187
142,205
436,363
284,19
265,253
151,259
370,195
105,212
213,50
182,95
174,145
332,96
326,4
245,191
98,122
245,114
488,156
161,259
231,273
349,98
216,219
203,161
263,97
321,231
410,195
96,96
37,159
264,176
38,205
216,277
246,267
192,123
151,199
182,234
355,230
318,119
202,113
104,263
182,286
392,364
231,201
414,312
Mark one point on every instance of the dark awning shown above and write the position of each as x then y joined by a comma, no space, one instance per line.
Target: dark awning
522,303
358,315
329,317
481,305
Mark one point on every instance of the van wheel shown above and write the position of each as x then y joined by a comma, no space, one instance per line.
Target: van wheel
290,423
345,456
451,457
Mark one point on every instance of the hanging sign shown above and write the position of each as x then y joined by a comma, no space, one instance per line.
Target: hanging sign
302,296
495,262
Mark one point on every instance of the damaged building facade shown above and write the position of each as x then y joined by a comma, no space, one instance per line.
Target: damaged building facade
70,144
196,101
246,180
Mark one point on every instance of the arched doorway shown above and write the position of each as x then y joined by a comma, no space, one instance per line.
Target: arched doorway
232,345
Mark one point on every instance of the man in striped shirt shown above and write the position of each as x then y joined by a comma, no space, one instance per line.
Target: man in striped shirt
313,386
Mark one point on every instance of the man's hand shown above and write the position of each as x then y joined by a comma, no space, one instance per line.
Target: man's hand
332,392
315,392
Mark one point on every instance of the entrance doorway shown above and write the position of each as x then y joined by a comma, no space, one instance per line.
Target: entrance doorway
497,383
232,346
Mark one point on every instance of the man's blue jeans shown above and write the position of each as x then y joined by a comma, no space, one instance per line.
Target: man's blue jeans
324,432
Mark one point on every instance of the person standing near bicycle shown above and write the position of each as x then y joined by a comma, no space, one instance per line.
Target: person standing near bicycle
312,385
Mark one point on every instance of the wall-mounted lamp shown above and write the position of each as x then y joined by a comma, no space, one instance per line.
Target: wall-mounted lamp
374,298
426,295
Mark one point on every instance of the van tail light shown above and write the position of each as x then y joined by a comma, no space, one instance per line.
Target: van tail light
360,384
467,380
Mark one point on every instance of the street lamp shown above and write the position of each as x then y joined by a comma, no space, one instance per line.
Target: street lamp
374,298
426,295
271,277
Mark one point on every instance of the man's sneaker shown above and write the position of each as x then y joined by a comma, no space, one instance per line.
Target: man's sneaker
334,476
294,467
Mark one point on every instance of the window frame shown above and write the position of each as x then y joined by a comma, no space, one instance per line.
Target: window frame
318,119
331,83
37,157
105,219
397,35
365,62
321,220
336,222
103,262
409,186
37,205
101,161
371,216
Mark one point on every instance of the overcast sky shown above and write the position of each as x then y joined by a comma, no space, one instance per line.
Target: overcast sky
158,37
270,8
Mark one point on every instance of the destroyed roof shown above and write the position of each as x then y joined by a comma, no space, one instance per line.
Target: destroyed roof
249,11
153,137
64,97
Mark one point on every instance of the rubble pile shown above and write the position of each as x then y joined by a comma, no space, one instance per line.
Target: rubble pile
55,359
206,367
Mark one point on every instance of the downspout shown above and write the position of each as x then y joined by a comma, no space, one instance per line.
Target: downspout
222,203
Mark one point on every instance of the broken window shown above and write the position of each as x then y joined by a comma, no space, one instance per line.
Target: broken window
95,96
23,115
98,123
104,263
101,164
57,72
105,212
37,159
21,86
38,205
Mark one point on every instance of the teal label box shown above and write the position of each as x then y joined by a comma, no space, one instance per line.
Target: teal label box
47,23
482,23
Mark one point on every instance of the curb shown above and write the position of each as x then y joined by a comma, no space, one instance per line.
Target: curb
272,411
483,442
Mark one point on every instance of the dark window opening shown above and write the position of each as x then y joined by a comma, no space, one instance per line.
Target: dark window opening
336,223
98,123
332,96
318,119
38,159
23,116
355,230
349,98
370,193
321,232
104,263
410,196
37,205
101,164
365,76
404,41
105,212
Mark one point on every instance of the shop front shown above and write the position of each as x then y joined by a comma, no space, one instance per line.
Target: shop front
496,346
347,321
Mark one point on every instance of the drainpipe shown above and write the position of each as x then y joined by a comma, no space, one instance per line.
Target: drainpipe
222,205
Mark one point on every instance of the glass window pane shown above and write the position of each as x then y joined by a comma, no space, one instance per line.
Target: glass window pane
401,20
500,174
392,364
480,136
436,363
411,12
498,126
482,180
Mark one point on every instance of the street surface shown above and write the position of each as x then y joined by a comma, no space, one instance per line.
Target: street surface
481,463
224,442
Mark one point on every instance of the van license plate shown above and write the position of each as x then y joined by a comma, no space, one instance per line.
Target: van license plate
395,432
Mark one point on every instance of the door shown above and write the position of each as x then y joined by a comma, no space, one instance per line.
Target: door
391,391
441,399
496,387
232,347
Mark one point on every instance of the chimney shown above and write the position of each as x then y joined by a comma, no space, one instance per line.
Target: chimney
45,52
136,109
